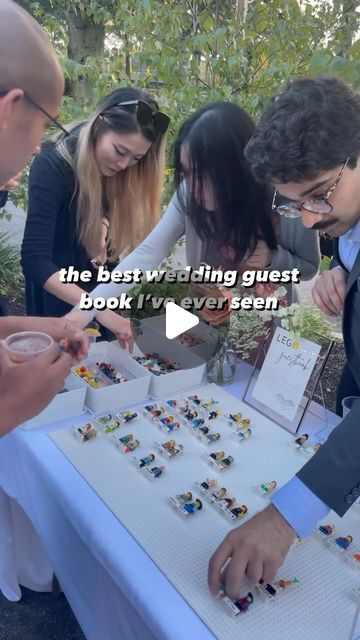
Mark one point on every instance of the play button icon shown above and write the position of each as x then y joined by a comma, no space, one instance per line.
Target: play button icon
178,320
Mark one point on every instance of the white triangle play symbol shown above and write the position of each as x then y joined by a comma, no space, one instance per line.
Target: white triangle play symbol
178,320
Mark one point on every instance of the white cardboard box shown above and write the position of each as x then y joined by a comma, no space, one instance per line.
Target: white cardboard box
63,406
127,393
192,367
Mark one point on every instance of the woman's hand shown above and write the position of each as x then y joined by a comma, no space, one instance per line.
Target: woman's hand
12,183
120,326
78,318
102,256
260,258
268,289
100,259
213,316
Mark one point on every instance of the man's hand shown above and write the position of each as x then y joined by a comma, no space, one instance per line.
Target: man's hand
27,388
329,291
76,340
77,343
256,550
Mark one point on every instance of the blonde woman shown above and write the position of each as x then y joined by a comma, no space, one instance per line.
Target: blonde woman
93,196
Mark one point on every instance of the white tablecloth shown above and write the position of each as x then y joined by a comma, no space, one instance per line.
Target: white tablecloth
113,587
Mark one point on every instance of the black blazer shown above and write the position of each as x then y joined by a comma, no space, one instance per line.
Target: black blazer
333,474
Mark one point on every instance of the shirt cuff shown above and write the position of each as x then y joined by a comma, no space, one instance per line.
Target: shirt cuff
300,507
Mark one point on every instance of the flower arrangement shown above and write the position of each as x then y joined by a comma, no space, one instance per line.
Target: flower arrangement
305,321
243,331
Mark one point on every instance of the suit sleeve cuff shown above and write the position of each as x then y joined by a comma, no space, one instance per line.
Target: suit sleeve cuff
300,507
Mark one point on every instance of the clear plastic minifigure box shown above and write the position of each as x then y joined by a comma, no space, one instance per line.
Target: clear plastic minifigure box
108,393
189,374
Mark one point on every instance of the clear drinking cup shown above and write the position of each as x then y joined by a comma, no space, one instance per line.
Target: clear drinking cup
25,345
92,331
347,404
136,327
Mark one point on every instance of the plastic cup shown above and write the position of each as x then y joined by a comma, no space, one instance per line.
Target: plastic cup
347,404
136,327
92,331
25,345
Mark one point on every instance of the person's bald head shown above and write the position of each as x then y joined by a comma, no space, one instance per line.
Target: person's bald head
27,58
28,66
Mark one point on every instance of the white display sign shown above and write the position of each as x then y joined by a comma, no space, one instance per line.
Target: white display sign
285,373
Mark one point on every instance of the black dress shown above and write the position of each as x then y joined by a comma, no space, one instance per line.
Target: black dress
50,240
3,199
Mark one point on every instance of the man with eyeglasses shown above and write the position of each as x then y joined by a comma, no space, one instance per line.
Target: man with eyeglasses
31,86
308,145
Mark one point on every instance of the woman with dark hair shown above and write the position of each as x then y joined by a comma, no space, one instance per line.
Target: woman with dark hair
93,196
228,210
224,213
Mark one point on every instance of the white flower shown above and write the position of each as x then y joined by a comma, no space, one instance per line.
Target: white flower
280,292
265,315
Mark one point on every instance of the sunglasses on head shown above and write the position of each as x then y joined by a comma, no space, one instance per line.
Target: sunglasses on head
146,116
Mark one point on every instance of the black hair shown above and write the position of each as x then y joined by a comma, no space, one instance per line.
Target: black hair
123,119
215,138
312,126
109,116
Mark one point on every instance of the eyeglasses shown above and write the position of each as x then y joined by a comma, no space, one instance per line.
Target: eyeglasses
27,97
40,108
146,116
321,204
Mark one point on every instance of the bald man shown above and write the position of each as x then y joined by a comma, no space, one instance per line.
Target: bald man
31,83
31,86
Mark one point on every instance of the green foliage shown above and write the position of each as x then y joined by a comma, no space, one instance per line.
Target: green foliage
245,332
11,280
188,53
324,263
165,290
305,321
314,322
5,215
19,195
